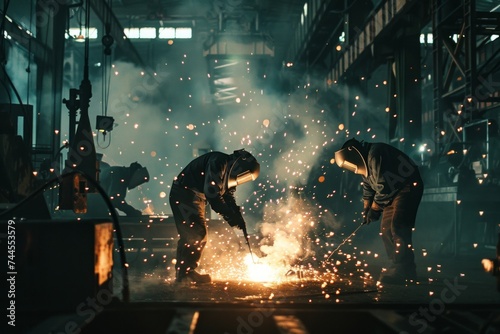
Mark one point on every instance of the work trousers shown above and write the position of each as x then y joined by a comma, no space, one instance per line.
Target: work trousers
397,223
188,208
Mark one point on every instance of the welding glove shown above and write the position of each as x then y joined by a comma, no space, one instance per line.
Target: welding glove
371,216
371,212
236,219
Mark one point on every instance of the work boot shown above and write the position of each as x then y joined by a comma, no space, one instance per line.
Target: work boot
192,277
411,273
398,275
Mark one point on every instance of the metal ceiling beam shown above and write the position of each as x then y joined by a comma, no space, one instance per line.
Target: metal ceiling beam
104,12
27,40
240,45
379,24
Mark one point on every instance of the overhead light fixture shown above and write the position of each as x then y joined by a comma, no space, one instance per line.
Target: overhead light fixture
104,124
80,38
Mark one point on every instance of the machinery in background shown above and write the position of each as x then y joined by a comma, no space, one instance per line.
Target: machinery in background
461,200
47,262
53,273
483,138
82,153
492,266
16,173
473,161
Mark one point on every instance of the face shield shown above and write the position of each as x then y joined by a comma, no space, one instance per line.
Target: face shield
245,168
138,177
350,158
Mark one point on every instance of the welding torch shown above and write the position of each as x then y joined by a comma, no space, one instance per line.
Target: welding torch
247,239
238,221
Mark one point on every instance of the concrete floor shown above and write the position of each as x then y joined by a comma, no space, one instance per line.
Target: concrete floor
452,296
350,275
458,280
453,293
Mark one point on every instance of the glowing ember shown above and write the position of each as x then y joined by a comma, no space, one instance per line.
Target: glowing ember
260,271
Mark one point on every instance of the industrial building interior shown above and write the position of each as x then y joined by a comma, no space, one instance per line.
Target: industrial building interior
91,84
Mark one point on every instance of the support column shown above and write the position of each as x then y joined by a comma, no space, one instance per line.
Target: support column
51,24
408,91
438,71
471,74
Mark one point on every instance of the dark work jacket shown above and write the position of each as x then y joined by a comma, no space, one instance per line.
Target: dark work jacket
389,170
207,176
115,180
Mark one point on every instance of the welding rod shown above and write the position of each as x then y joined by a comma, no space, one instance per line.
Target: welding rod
245,234
343,242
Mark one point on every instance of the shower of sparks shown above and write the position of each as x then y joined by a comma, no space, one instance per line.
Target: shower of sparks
293,135
287,249
260,271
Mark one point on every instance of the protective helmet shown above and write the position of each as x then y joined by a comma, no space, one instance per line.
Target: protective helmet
138,175
352,157
244,168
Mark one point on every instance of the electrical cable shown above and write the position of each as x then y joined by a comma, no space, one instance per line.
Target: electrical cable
28,69
19,99
11,84
284,298
87,40
2,32
7,91
114,216
107,40
107,83
106,65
